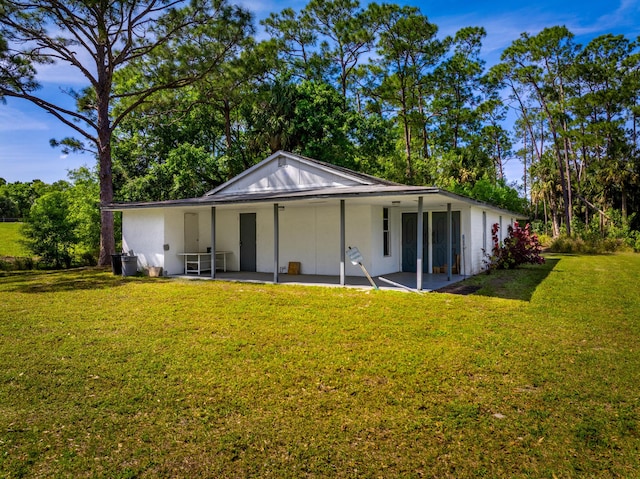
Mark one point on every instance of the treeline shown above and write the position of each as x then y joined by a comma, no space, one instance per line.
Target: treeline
578,109
61,220
376,89
201,97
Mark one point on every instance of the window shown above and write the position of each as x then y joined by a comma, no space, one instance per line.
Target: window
386,235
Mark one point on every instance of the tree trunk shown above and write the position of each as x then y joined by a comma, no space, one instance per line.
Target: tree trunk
107,240
501,168
425,132
407,135
567,148
624,204
524,161
555,216
564,181
407,140
226,108
566,197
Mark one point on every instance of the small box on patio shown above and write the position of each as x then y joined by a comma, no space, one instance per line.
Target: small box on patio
294,267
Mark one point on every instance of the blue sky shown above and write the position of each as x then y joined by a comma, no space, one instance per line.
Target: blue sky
25,130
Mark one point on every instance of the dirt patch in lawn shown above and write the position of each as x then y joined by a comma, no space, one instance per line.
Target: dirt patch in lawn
458,288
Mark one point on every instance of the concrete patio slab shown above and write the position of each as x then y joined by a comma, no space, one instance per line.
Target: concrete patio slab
403,281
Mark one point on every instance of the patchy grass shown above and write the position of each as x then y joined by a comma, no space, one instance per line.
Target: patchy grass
10,240
519,283
104,376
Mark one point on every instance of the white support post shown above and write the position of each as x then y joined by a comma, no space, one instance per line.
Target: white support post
449,239
420,254
430,242
213,242
276,241
342,243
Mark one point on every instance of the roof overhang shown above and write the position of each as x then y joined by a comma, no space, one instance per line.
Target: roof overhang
383,193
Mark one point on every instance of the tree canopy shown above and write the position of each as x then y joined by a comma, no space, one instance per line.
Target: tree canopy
170,43
182,96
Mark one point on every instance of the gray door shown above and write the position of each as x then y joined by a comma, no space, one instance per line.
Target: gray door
410,242
191,233
247,241
439,233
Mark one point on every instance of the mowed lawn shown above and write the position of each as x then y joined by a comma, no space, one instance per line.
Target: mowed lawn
10,240
142,377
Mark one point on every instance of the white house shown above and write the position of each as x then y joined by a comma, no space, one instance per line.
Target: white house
293,209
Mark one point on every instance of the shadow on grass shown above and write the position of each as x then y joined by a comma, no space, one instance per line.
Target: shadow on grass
519,284
66,280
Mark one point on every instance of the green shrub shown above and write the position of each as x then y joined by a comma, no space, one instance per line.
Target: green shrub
24,263
634,241
50,229
544,239
590,245
88,259
17,263
521,246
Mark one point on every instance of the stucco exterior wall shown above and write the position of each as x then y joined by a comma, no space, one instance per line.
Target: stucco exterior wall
382,264
358,234
264,239
481,234
327,239
299,229
143,233
479,237
309,234
174,238
228,236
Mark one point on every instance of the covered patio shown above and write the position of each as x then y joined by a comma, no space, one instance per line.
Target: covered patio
393,281
337,225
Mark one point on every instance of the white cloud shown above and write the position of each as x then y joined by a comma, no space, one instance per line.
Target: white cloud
12,119
262,8
626,15
503,28
61,74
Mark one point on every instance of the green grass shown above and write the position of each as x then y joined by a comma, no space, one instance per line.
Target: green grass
10,238
535,376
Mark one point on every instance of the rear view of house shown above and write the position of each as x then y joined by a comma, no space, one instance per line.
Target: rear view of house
290,209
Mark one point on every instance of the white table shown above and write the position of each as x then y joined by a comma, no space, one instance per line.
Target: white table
224,255
198,263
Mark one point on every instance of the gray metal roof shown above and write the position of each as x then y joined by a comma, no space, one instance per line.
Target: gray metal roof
370,187
364,191
335,192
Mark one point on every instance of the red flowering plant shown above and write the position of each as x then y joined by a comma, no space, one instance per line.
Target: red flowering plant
521,246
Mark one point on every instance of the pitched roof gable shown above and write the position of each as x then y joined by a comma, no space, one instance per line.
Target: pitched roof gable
288,172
